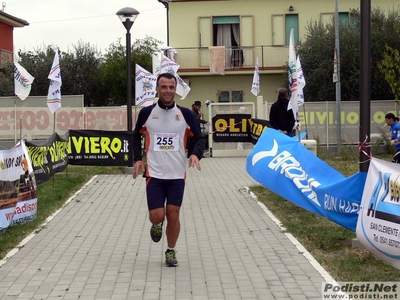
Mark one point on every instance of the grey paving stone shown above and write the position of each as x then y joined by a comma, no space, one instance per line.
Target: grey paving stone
98,246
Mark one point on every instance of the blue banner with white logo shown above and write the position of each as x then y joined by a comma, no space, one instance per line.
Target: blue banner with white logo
286,167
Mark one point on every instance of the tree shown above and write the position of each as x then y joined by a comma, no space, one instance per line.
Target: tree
7,80
316,53
38,63
113,69
80,71
390,65
84,70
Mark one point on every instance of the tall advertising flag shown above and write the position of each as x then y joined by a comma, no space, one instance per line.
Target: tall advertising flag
293,80
255,87
145,87
22,81
169,66
54,94
301,81
182,88
156,62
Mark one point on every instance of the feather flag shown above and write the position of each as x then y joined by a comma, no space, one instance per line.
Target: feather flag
22,81
54,94
145,87
169,66
156,62
301,81
293,80
182,88
255,88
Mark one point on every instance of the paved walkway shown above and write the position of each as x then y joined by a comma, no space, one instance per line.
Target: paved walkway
98,246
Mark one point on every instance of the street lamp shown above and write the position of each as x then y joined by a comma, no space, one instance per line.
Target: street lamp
128,15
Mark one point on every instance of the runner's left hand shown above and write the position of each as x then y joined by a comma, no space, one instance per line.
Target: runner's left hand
194,162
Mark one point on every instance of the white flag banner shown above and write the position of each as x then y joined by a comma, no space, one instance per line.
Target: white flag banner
301,81
182,88
168,66
145,87
255,87
293,80
54,94
22,81
156,62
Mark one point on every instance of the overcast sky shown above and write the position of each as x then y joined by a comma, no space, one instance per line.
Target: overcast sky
63,23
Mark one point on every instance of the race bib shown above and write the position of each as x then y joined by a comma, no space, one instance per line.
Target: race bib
166,141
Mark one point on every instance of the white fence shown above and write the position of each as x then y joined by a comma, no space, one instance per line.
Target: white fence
31,119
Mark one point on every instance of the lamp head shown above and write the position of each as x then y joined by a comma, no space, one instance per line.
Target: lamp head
127,15
291,8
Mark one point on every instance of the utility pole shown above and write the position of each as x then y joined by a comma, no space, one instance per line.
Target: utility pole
365,81
336,78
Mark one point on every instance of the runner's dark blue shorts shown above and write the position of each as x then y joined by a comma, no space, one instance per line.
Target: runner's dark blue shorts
160,191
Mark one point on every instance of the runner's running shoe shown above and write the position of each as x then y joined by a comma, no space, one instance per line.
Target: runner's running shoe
156,233
170,258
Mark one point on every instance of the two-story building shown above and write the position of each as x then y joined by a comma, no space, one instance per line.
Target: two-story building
249,30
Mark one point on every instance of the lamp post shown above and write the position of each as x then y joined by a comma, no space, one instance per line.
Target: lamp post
128,15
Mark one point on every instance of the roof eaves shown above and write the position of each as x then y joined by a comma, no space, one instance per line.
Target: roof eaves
11,20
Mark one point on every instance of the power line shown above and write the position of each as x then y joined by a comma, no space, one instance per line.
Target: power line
82,18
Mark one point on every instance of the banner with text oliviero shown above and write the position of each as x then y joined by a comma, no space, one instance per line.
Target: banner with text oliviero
99,148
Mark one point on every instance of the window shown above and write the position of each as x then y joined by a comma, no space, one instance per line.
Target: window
281,26
230,96
226,33
345,18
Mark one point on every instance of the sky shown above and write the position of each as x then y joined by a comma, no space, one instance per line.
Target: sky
64,23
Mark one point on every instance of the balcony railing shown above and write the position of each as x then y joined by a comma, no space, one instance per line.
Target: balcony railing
269,57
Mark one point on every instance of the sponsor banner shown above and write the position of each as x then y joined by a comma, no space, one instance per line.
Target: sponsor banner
361,290
378,226
18,196
36,121
231,128
49,157
257,127
100,148
286,167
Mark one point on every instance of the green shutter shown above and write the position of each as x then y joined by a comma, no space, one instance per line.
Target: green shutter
292,21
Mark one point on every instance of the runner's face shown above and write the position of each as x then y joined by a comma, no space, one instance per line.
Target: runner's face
389,122
166,90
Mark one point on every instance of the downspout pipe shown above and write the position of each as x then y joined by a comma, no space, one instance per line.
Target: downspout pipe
167,7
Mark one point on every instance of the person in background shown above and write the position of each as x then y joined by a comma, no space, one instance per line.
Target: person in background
196,106
196,110
392,121
280,117
166,126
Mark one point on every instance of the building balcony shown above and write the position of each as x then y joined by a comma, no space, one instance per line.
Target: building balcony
197,61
